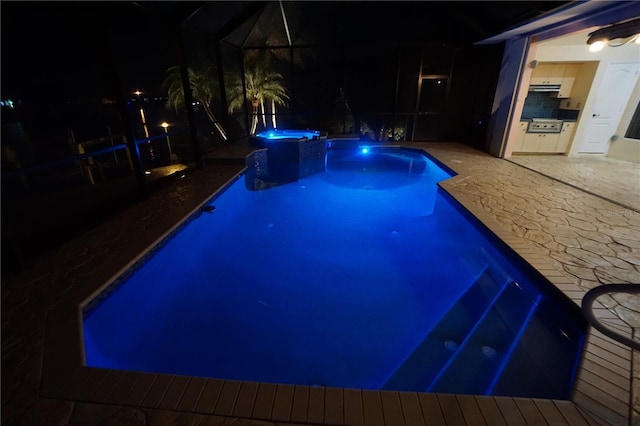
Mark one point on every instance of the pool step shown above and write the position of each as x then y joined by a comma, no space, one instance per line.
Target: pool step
536,368
486,351
440,345
480,344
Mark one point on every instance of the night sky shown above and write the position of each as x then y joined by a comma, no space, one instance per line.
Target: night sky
52,49
41,50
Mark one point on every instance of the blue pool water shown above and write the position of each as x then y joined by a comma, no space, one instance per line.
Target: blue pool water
362,276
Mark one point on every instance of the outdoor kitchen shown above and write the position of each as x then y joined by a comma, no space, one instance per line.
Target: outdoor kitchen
557,93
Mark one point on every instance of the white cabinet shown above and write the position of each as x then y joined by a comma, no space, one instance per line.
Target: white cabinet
568,79
547,142
566,134
521,132
563,75
540,142
548,73
544,143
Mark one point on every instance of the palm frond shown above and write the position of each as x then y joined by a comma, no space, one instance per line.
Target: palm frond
203,89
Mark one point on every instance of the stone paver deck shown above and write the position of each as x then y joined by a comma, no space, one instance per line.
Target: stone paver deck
577,240
614,180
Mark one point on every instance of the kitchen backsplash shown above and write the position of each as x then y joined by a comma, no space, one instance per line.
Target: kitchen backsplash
568,114
540,105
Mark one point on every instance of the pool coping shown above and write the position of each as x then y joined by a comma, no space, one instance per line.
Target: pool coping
64,376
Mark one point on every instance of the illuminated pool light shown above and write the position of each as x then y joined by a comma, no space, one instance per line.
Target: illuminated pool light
365,150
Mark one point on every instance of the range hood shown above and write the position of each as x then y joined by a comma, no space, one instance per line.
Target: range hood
544,88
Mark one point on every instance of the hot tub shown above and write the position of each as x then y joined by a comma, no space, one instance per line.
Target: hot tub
292,154
276,134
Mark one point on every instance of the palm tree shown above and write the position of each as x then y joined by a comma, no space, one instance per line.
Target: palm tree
203,89
262,85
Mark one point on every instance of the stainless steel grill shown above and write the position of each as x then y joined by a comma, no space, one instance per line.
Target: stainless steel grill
544,125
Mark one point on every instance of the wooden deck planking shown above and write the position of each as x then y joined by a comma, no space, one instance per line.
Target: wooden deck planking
227,398
411,409
174,393
490,411
431,409
471,411
316,405
392,408
246,399
209,396
334,406
157,391
372,406
192,394
353,407
300,404
121,391
282,403
265,397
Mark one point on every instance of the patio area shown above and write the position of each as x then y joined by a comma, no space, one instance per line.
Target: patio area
578,239
614,180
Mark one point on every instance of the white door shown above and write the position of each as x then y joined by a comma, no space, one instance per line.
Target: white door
611,98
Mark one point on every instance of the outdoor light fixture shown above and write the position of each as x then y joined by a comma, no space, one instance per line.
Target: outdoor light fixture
615,35
596,46
165,126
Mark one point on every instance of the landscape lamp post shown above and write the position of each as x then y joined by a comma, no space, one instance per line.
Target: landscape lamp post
143,120
165,126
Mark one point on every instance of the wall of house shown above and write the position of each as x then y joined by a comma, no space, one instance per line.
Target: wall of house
626,148
521,91
505,104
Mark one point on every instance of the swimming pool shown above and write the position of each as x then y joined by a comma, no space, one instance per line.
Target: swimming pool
362,276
